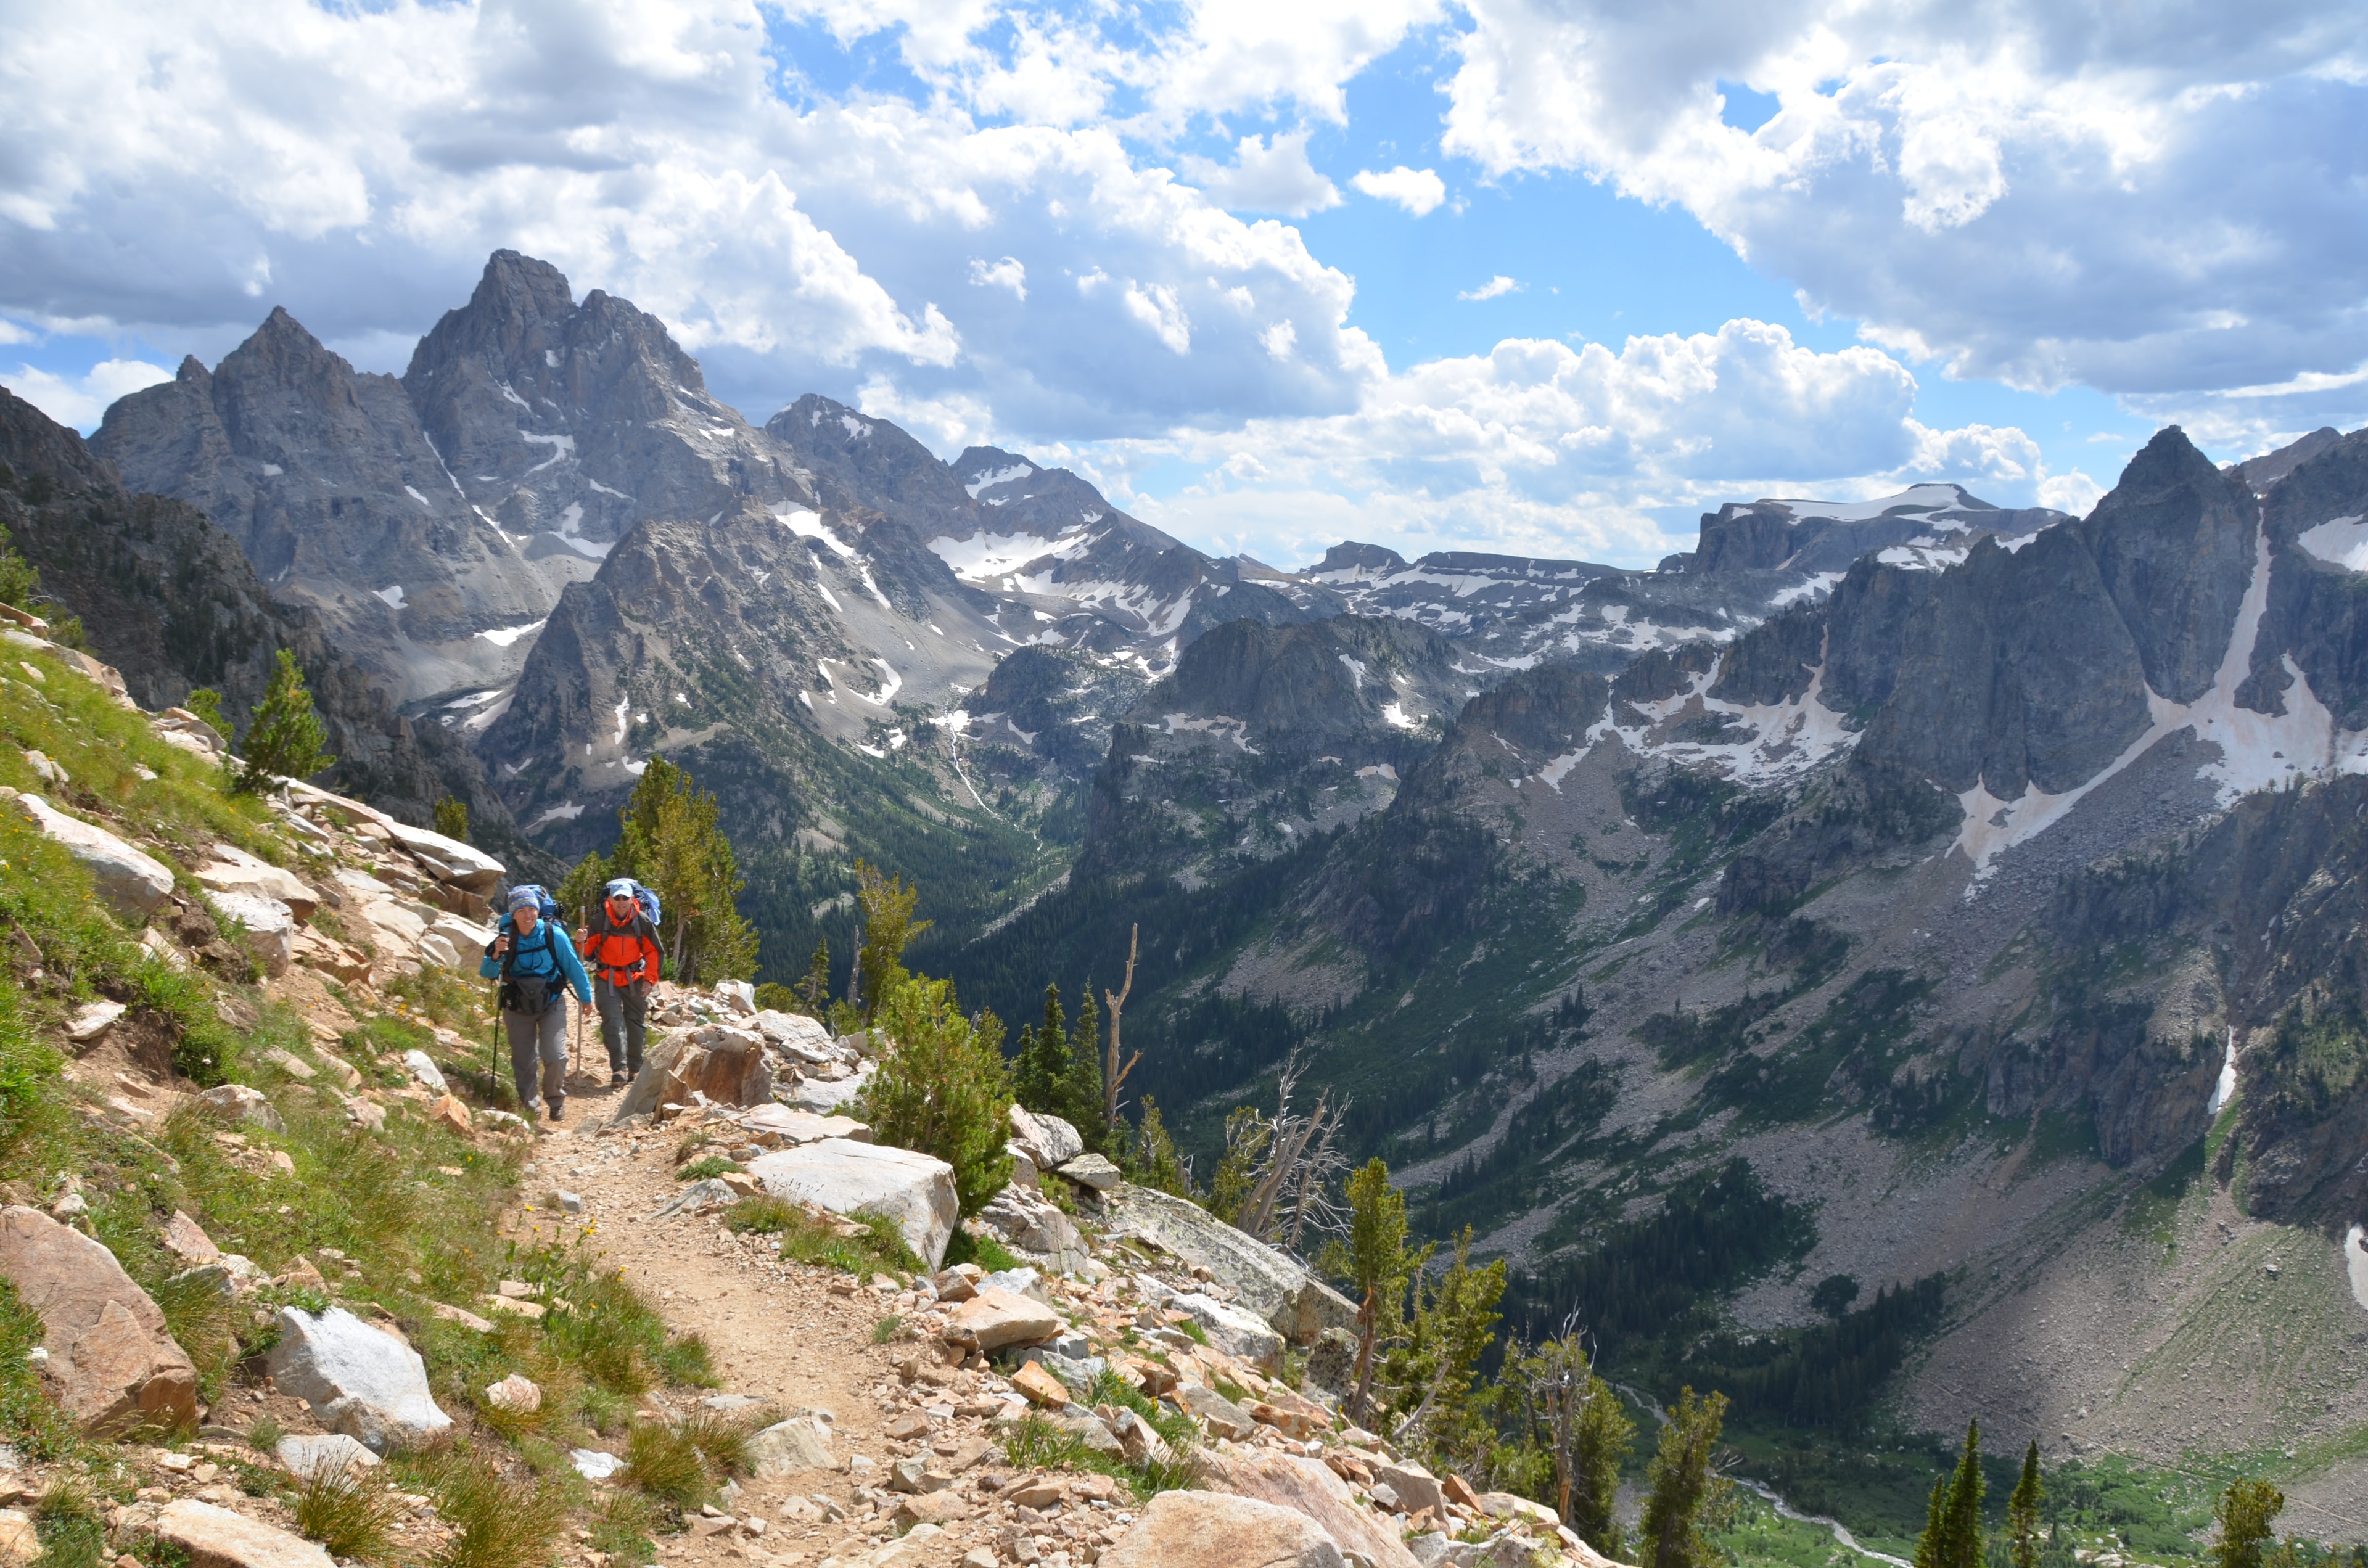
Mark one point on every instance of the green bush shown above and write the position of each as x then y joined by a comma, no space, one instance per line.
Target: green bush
942,1087
285,737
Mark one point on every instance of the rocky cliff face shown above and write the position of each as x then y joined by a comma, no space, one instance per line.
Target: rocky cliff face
329,485
169,599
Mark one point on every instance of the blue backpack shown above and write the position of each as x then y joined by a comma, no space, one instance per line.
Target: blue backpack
648,900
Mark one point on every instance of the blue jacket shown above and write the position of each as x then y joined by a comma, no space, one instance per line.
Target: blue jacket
531,958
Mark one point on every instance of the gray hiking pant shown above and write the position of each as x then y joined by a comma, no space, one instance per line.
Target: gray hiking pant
624,1024
543,1035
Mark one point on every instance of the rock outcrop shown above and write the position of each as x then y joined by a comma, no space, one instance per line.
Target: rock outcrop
368,1385
112,1362
1206,1530
913,1191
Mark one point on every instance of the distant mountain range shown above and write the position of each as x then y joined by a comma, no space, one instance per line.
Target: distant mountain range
1915,890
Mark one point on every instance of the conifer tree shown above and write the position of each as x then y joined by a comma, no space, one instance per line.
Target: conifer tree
1936,1525
1082,1090
1378,1263
1454,1322
285,737
578,893
452,818
206,703
1156,1163
1040,1072
671,843
814,991
1605,1435
2022,1511
1960,1531
2245,1512
1683,1483
886,904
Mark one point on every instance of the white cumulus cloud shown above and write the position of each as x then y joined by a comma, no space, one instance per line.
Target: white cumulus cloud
1495,287
1264,177
1419,191
79,400
2152,202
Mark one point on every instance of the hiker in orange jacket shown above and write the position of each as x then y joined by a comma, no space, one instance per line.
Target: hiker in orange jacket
621,948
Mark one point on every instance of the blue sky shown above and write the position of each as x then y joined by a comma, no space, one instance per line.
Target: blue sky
1508,274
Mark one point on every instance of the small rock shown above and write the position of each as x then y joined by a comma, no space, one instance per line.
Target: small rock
1210,1529
19,1542
423,1067
593,1465
1042,1388
516,1394
461,1315
72,1206
302,1276
287,1061
567,1202
241,1105
939,1508
1415,1487
993,1318
1221,1415
788,1448
530,1310
213,1537
304,1455
187,1241
92,1021
1094,1171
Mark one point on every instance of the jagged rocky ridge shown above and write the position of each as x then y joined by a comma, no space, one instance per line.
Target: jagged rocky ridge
168,600
2013,846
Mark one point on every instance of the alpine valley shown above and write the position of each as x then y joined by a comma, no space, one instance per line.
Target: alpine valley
1898,962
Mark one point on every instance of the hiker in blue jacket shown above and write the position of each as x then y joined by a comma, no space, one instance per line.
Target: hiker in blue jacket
535,963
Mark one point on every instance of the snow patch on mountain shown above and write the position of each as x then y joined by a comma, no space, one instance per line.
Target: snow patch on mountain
1000,476
2256,750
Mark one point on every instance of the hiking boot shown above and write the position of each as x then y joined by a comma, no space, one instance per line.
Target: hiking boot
616,1080
559,1111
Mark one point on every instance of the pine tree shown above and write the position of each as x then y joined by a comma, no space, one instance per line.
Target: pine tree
1936,1516
886,904
671,843
941,1087
1454,1322
1961,1529
2245,1512
1155,1163
1683,1484
1041,1073
1605,1435
2022,1511
285,737
1081,1091
1378,1263
578,893
452,818
206,703
814,991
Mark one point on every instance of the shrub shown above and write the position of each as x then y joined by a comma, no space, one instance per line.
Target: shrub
942,1087
709,1166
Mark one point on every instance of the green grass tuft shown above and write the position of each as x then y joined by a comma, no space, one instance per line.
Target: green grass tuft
345,1512
501,1523
709,1165
663,1462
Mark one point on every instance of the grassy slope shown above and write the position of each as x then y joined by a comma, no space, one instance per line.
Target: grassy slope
415,1212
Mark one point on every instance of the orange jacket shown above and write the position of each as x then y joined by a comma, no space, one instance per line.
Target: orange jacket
623,954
